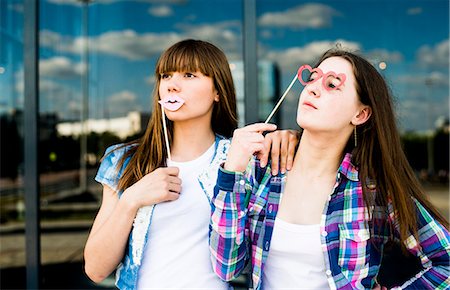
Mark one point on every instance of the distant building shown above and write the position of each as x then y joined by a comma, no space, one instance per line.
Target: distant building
268,89
133,123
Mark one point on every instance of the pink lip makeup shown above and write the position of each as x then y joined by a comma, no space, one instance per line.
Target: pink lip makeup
172,103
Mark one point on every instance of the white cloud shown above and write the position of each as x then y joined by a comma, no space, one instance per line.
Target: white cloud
376,56
60,67
437,55
125,43
311,15
435,79
121,103
290,59
161,11
414,11
134,46
107,2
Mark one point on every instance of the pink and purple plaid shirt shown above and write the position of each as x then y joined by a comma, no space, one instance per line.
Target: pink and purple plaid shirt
244,208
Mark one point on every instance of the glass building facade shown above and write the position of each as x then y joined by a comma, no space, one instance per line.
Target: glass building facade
95,75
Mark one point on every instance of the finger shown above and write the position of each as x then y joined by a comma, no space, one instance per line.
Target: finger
275,155
174,179
264,154
172,196
171,170
291,152
260,127
175,188
284,152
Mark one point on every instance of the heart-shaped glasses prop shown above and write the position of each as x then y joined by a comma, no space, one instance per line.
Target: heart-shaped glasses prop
330,81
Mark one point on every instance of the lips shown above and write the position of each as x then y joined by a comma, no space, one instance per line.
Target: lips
172,103
308,104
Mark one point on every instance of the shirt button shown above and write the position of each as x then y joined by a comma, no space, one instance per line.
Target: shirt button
267,245
241,214
328,272
270,208
242,182
324,233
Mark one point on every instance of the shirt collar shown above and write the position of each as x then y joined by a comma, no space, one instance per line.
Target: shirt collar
348,169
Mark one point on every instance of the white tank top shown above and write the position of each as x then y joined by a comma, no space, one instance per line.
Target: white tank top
177,254
295,259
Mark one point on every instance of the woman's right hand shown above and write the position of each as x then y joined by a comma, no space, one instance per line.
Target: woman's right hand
246,142
160,185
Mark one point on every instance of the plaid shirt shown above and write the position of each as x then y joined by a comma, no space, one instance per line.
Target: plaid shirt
244,208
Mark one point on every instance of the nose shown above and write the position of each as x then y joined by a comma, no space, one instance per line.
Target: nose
173,84
313,89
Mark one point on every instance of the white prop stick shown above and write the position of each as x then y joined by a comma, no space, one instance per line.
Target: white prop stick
165,132
281,99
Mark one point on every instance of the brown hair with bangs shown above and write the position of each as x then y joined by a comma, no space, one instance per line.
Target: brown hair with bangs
149,152
379,154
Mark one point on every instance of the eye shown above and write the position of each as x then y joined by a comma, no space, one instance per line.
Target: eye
189,75
332,83
312,77
164,76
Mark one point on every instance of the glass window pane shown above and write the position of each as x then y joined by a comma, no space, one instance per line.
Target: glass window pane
97,63
410,51
12,205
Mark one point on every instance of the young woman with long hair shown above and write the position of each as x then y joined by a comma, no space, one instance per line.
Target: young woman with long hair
154,218
324,224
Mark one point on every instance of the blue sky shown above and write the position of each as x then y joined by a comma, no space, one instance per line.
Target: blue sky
126,37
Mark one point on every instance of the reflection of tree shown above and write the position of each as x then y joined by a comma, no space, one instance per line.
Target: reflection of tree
11,146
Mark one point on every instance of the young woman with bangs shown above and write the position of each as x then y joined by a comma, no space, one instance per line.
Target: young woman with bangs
153,222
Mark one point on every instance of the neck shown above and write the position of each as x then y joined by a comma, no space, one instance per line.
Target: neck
319,154
190,142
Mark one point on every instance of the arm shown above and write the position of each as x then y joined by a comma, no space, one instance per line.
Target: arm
434,250
229,253
228,244
108,238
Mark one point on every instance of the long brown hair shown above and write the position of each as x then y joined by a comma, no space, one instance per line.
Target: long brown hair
379,154
149,152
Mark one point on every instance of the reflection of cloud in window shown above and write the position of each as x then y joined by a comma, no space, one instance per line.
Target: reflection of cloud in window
306,54
301,17
125,43
60,67
383,55
161,11
414,11
437,55
119,104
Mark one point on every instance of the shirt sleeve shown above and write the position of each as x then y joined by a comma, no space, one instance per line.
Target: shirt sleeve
108,173
433,249
228,247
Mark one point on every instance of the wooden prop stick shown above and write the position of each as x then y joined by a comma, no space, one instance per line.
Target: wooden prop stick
281,99
166,137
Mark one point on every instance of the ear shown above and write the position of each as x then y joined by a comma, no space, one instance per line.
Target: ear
362,116
216,97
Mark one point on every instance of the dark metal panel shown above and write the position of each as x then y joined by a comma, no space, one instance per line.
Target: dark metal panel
250,63
31,111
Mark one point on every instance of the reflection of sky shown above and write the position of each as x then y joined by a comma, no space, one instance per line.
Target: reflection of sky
126,37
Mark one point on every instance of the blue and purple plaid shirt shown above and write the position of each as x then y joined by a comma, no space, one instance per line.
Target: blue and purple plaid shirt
244,208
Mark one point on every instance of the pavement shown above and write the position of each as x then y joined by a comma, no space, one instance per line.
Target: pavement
62,243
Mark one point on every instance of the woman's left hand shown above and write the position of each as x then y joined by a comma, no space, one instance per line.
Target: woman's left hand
281,146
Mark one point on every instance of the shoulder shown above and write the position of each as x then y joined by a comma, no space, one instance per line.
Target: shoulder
108,172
